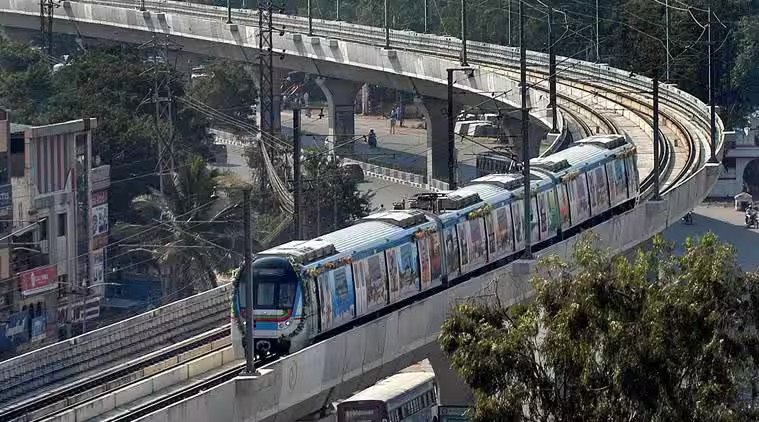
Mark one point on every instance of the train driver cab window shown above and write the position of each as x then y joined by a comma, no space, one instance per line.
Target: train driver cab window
275,284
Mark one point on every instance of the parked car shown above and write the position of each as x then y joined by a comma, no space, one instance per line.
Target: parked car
353,172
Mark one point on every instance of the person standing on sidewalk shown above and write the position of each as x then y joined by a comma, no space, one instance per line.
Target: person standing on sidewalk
393,117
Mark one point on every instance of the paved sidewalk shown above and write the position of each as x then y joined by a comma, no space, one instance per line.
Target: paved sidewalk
406,149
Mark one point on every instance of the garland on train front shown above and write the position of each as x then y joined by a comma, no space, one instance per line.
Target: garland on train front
306,295
483,211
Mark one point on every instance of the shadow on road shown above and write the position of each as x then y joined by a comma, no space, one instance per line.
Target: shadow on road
745,241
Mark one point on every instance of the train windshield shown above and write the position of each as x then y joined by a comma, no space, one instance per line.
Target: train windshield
274,284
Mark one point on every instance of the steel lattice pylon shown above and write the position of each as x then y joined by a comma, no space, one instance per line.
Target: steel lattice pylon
162,97
46,25
266,71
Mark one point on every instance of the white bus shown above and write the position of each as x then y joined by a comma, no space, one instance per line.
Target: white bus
407,396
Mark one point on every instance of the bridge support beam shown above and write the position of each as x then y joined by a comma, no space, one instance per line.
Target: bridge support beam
435,112
452,389
513,130
341,102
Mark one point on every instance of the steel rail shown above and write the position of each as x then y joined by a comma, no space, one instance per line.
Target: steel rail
66,392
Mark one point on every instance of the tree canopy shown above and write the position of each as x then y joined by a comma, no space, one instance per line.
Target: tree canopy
658,338
109,84
332,198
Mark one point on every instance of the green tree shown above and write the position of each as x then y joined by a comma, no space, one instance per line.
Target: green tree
110,84
228,87
332,198
190,230
661,338
24,80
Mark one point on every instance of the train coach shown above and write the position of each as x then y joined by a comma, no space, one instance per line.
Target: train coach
307,290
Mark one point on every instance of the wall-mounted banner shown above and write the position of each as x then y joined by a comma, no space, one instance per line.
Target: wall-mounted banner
38,280
99,220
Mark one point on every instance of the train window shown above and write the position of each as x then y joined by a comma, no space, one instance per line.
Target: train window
286,295
265,294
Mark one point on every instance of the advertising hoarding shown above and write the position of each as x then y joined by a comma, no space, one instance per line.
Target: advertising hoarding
99,220
38,280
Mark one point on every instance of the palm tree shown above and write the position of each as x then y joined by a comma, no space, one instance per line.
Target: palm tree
189,231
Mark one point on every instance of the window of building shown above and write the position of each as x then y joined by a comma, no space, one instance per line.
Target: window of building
43,229
62,224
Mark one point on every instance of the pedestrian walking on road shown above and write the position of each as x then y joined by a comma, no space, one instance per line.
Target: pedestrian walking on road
372,140
393,117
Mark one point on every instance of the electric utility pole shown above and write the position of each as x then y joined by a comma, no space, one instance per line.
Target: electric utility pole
250,356
666,28
162,98
712,109
525,137
297,177
265,67
463,34
426,14
656,136
47,10
310,19
552,72
387,29
451,135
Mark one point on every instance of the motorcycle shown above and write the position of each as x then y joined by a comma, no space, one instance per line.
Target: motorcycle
688,218
752,221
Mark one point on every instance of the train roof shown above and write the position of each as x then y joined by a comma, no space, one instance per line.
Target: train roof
394,386
582,154
377,227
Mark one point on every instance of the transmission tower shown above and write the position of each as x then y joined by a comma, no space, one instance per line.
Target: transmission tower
47,8
161,97
265,67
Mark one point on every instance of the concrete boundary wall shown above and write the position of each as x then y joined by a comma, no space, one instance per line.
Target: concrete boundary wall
152,384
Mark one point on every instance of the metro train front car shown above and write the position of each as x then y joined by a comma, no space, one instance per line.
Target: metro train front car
278,308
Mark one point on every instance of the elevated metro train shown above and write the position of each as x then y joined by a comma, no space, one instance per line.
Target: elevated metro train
306,290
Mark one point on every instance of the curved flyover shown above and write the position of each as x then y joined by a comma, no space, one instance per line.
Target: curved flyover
302,382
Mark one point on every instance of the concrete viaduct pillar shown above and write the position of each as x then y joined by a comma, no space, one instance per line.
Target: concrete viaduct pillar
341,99
452,389
435,112
513,129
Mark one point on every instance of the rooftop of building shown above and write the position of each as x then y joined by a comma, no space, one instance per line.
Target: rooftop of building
18,127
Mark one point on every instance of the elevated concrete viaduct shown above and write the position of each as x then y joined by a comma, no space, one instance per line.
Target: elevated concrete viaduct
333,59
303,382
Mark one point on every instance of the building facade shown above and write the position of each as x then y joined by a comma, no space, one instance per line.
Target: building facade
741,163
47,289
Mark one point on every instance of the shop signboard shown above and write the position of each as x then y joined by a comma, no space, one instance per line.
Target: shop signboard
38,328
99,198
38,280
15,329
454,413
